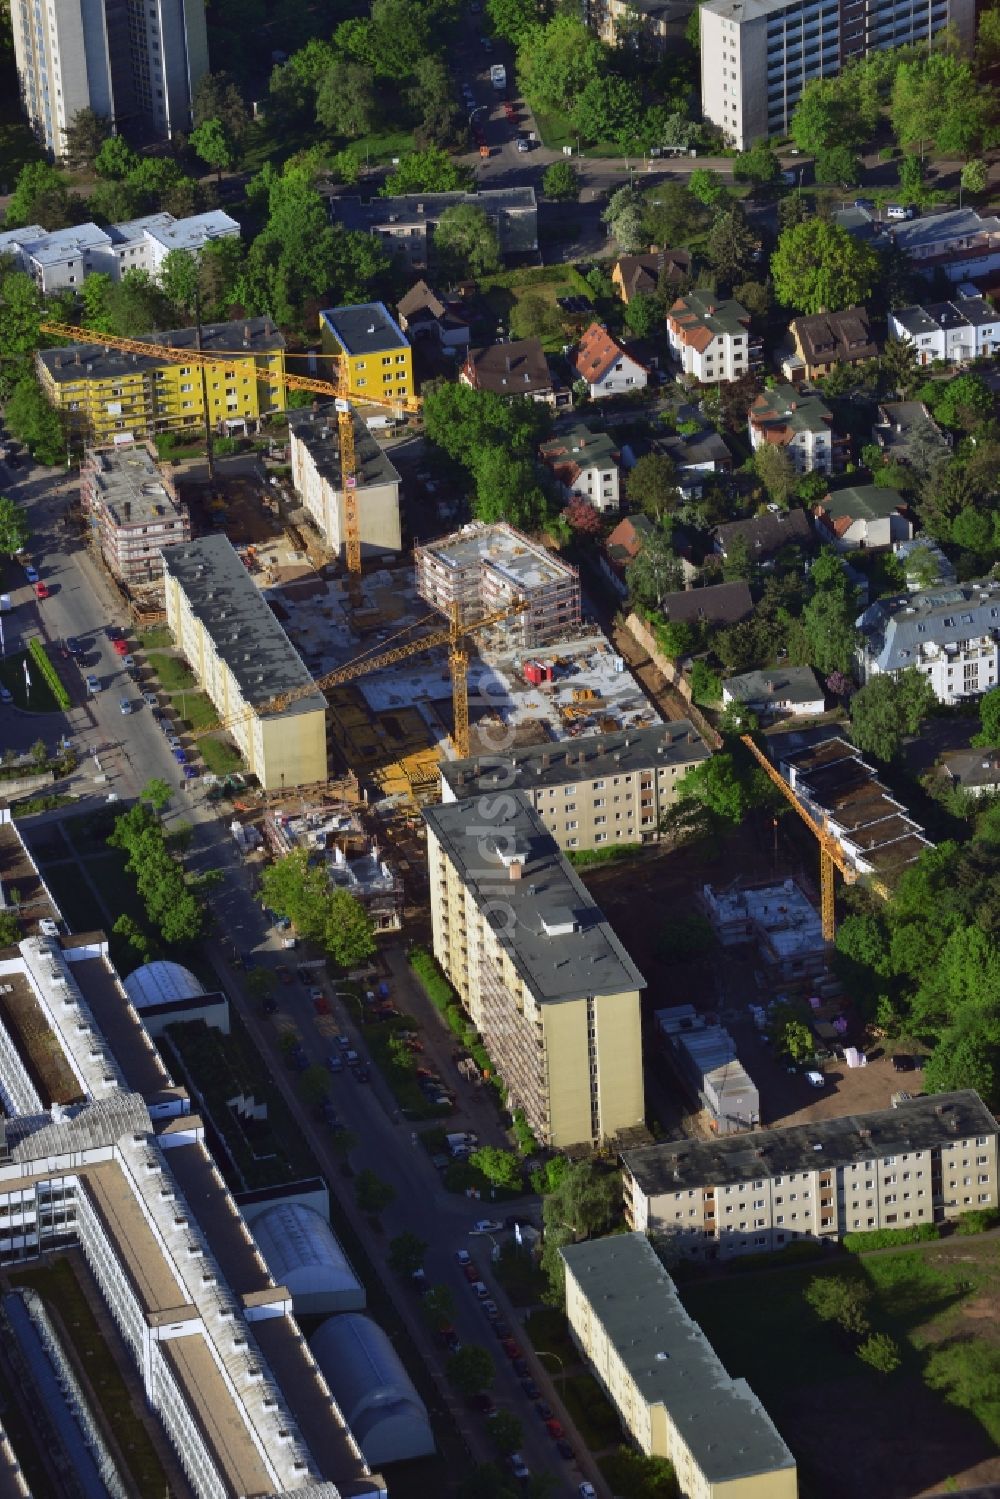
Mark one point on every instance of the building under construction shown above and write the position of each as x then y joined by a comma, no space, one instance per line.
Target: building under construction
490,567
132,505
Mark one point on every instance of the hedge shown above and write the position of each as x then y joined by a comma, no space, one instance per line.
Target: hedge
437,988
890,1238
978,1221
40,656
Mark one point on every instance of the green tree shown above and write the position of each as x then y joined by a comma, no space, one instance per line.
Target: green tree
887,709
760,164
347,102
818,267
179,280
964,402
10,928
936,98
825,118
41,196
608,108
513,19
217,96
652,486
348,934
841,1299
555,62
974,176
21,313
644,315
471,1370
721,786
465,242
293,887
14,527
33,421
131,932
839,165
534,316
212,144
314,1085
429,171
966,1371
828,618
432,95
791,1035
406,1253
371,1193
731,244
640,1477
157,793
881,1353
505,1431
775,470
561,182
655,571
965,1057
116,158
501,1167
83,138
989,719
507,489
707,187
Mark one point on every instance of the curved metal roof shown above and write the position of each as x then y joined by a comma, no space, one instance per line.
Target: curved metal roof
302,1251
158,983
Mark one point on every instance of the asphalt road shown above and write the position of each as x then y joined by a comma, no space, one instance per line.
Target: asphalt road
131,749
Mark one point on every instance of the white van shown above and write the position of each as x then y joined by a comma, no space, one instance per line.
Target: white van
899,211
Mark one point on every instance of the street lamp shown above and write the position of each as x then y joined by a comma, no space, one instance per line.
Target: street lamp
547,1353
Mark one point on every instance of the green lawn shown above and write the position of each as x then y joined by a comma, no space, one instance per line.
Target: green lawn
591,1411
157,638
174,675
197,711
220,757
40,698
57,1284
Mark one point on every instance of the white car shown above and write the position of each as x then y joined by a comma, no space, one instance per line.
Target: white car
463,1256
587,1491
485,1226
519,1467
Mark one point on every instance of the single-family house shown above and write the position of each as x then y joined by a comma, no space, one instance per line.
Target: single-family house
423,314
973,770
924,564
950,634
862,516
765,535
517,368
605,366
777,692
964,328
906,431
585,463
710,336
828,340
621,547
958,241
717,605
641,275
798,420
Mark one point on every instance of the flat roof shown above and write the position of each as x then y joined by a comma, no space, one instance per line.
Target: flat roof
917,1125
244,631
319,432
132,485
523,562
583,759
141,1064
217,1415
145,1263
550,926
317,1415
368,328
94,361
727,1430
218,1216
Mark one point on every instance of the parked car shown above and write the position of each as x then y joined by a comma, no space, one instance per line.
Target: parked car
93,684
519,1467
501,1330
543,1410
564,1449
485,1226
902,1063
31,573
530,1388
283,973
119,646
344,1042
555,1429
463,1256
334,1062
520,1367
587,1491
125,707
511,1348
190,772
129,663
491,1309
470,1272
150,699
180,755
73,646
320,1002
483,1403
41,590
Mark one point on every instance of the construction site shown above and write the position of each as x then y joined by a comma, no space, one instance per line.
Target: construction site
355,861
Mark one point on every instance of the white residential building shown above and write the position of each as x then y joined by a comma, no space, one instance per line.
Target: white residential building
799,421
957,331
136,65
65,257
710,336
758,55
314,449
951,635
585,464
958,242
606,367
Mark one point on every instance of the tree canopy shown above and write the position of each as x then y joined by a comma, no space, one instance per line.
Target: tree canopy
887,709
818,267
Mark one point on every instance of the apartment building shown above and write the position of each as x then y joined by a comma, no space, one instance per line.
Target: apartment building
243,660
106,396
585,463
758,55
317,474
951,635
645,25
543,977
710,336
799,421
956,331
131,504
375,349
405,225
595,790
862,516
667,1383
605,366
484,568
959,242
65,257
927,1161
135,65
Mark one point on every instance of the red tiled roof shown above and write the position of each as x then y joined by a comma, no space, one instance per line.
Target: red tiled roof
596,353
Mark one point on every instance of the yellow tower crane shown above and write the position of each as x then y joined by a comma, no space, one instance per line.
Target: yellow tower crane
831,855
339,390
455,637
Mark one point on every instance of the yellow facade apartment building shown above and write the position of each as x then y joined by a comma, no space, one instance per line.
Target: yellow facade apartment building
544,979
377,351
108,396
665,1380
243,659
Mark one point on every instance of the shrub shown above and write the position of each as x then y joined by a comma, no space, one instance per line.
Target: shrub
889,1238
437,988
40,656
880,1352
979,1221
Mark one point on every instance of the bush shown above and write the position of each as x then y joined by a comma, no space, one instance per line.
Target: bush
880,1352
437,988
890,1238
979,1221
40,656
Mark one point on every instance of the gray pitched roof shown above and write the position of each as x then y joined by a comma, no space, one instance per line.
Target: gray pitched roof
719,604
896,629
786,684
766,534
862,502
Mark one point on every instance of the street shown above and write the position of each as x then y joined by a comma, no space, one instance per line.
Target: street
131,750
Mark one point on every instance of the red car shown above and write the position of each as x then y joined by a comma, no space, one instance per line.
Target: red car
470,1272
554,1429
510,1348
321,1004
41,590
121,646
